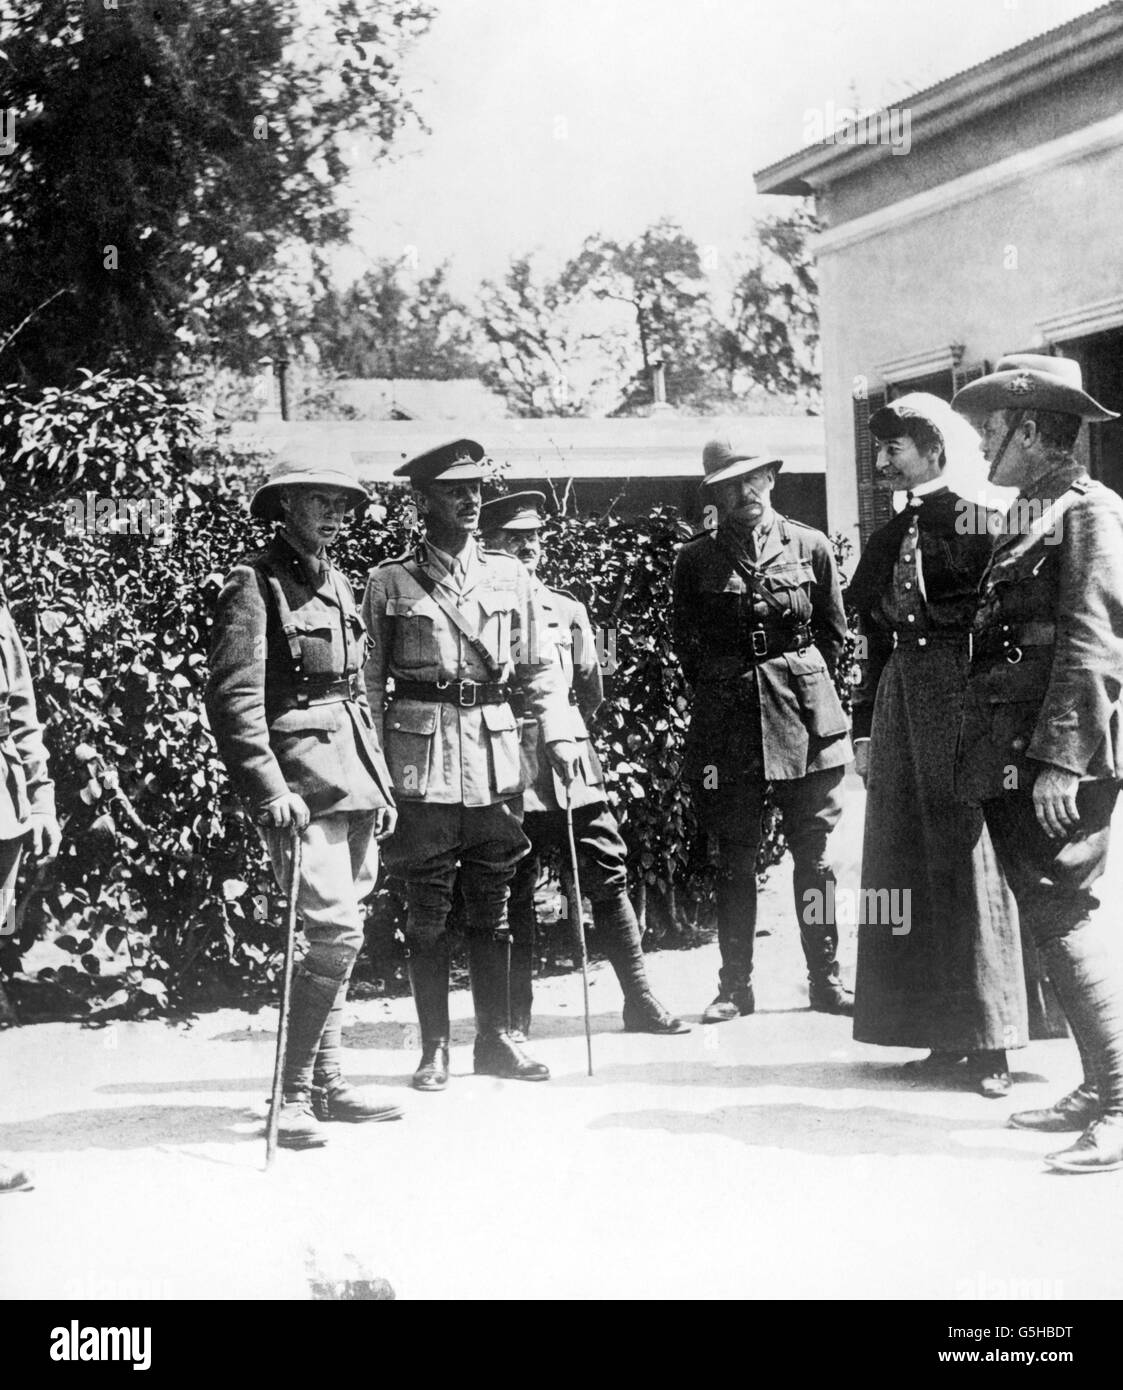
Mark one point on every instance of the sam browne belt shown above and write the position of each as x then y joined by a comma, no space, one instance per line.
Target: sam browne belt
466,694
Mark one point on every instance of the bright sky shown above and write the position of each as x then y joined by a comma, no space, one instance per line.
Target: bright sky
552,119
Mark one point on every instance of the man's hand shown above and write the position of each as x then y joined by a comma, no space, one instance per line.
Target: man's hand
1054,801
289,809
862,758
566,759
45,836
385,819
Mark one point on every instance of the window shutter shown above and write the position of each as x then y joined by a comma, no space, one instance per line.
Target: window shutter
960,376
875,506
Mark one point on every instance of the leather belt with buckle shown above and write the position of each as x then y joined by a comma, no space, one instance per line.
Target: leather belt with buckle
465,694
313,690
1009,640
766,642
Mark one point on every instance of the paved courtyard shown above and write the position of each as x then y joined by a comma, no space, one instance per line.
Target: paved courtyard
772,1157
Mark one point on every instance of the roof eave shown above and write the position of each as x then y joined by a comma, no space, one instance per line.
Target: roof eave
1001,81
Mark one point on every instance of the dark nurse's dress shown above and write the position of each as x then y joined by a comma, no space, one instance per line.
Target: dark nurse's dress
955,981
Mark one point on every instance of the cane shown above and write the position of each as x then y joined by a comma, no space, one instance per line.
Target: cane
286,997
578,912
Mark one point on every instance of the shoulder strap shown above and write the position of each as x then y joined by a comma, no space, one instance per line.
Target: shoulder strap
758,589
459,621
284,615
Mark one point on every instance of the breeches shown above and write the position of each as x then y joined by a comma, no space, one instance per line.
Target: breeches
1052,880
433,844
809,807
601,857
338,869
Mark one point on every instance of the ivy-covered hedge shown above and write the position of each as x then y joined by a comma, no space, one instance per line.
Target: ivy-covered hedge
161,895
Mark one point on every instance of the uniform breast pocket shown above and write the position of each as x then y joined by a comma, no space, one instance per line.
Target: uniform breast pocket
314,631
415,630
791,584
410,737
503,747
496,614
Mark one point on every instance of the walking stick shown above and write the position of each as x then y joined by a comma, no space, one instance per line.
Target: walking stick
286,997
579,913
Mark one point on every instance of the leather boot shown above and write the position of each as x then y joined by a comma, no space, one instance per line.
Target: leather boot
297,1125
333,1098
523,923
428,978
522,989
1084,974
496,1052
15,1179
1076,1111
992,1074
728,1006
819,939
736,935
353,1104
618,932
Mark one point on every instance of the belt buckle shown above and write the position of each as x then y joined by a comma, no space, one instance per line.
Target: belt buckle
762,649
460,689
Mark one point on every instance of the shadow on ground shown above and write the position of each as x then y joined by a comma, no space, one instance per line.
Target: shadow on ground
130,1127
387,1033
819,1076
814,1129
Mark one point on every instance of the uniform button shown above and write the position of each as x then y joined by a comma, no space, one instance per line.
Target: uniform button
909,584
922,641
397,724
912,617
1018,744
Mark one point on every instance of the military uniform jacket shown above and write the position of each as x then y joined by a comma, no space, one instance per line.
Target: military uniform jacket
274,734
440,751
785,706
572,633
27,788
1047,663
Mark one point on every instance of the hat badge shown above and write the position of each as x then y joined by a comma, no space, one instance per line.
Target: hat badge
1021,385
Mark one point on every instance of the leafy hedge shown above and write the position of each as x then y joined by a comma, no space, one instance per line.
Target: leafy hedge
161,893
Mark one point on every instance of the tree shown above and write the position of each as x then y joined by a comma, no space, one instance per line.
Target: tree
380,327
175,169
771,337
544,360
659,277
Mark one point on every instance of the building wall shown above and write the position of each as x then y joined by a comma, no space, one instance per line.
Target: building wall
798,495
983,272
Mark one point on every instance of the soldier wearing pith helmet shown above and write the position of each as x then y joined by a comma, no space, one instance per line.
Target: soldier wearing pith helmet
1041,745
456,632
759,628
513,524
288,710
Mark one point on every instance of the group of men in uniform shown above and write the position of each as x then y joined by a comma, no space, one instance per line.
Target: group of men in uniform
444,721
